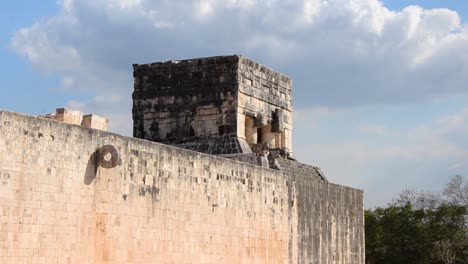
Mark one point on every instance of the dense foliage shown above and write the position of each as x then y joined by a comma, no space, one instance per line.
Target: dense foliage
419,228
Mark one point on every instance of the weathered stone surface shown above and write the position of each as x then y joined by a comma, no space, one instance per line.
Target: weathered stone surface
297,168
216,105
70,194
66,115
95,121
160,204
76,118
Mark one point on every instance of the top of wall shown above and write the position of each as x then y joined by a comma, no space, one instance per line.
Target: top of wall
76,117
224,59
9,121
180,85
248,65
204,78
188,62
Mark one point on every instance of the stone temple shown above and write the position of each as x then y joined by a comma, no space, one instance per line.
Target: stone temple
209,177
218,105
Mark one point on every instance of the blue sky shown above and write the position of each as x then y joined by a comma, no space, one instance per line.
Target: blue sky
459,6
29,89
380,89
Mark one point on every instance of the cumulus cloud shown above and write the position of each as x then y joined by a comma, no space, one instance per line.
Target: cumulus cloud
339,52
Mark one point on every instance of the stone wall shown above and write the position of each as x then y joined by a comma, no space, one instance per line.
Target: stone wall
296,168
215,105
266,92
61,202
189,103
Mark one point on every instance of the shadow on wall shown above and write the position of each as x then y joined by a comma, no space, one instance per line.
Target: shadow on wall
106,157
91,169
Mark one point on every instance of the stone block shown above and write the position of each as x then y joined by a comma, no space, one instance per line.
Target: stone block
73,117
95,122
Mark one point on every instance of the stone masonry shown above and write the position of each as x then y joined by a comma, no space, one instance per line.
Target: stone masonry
77,118
160,204
216,105
73,194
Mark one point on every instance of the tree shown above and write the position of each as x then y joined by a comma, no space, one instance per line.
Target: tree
418,199
444,252
457,191
419,227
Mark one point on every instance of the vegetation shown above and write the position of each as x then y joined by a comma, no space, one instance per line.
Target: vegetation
420,227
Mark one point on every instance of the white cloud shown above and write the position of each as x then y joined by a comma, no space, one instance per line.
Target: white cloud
339,52
45,51
204,8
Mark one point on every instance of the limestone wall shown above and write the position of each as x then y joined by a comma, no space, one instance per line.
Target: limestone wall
160,204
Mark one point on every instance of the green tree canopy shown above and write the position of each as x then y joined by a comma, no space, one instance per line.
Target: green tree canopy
419,227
